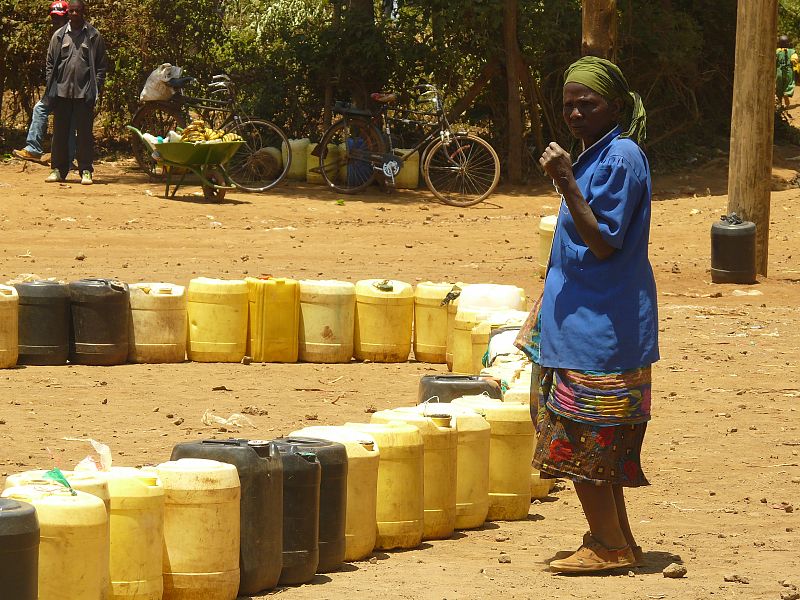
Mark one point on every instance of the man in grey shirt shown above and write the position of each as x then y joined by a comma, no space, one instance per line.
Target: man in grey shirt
76,69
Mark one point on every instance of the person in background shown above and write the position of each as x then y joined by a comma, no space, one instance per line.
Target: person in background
594,333
41,110
76,70
786,61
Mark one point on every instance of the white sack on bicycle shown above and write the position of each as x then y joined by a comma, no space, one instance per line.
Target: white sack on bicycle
156,88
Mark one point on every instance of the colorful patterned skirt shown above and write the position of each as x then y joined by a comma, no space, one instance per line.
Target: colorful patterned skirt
578,448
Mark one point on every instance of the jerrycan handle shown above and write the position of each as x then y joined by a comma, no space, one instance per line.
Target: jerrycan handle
228,442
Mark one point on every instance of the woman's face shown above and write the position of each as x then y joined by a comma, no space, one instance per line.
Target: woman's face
588,115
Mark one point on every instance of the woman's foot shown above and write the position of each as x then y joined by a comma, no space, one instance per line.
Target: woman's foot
594,557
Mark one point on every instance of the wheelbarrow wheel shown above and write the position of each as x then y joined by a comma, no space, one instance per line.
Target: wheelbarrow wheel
215,176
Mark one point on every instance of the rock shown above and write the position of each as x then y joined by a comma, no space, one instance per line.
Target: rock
504,559
246,360
675,571
179,421
501,538
790,595
373,560
734,578
81,256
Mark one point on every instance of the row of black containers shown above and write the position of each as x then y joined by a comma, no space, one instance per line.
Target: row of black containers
85,322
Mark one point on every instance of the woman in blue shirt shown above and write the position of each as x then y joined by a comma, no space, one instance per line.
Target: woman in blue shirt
596,334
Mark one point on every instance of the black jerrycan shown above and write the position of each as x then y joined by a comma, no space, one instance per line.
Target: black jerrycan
448,387
261,478
43,323
19,550
301,478
733,250
332,457
100,319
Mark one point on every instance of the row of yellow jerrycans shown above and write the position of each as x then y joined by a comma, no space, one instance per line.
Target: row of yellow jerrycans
196,527
104,322
306,167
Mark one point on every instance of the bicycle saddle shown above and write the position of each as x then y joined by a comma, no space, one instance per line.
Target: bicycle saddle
180,82
384,97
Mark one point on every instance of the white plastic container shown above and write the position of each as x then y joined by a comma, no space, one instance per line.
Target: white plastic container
158,323
489,296
327,321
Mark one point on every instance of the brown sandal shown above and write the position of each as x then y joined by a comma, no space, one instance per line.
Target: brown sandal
594,557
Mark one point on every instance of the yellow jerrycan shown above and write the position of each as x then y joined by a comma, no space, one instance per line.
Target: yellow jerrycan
440,440
158,323
312,163
452,310
74,541
201,529
430,321
547,229
87,482
400,503
363,458
217,310
9,326
327,321
297,168
510,455
384,315
273,321
408,177
465,321
472,472
137,529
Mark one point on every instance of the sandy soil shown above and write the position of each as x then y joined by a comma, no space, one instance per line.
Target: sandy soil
721,452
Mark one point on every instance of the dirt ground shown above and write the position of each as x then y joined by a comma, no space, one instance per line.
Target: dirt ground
721,451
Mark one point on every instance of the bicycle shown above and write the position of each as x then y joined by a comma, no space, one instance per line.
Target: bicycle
459,168
261,162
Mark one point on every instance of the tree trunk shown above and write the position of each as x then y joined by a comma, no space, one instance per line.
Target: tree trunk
752,119
531,91
513,60
489,70
599,28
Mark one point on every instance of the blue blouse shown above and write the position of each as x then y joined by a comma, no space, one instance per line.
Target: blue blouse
602,315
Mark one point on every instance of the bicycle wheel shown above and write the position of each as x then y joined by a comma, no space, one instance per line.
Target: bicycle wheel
155,118
345,158
258,165
462,170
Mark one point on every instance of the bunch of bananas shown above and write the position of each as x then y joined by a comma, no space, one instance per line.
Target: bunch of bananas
198,131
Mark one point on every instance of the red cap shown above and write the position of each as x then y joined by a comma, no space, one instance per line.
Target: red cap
59,8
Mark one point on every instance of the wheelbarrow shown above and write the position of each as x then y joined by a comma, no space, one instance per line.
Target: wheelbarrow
206,160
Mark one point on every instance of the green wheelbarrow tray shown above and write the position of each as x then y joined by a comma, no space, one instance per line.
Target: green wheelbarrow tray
206,160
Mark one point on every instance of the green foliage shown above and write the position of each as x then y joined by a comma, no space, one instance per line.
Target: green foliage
291,58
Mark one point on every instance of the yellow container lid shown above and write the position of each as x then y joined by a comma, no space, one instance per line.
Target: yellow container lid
384,289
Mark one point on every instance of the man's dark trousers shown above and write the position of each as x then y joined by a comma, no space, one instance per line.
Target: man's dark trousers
79,113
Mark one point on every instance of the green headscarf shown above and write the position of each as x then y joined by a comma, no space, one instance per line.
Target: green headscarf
605,78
